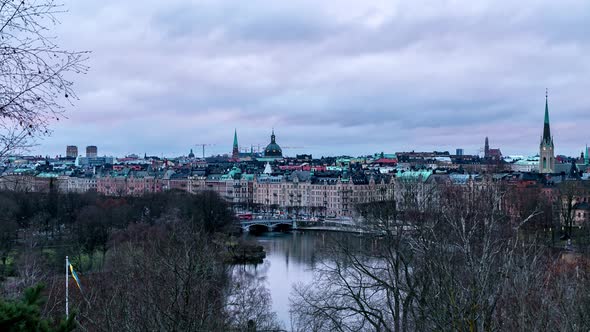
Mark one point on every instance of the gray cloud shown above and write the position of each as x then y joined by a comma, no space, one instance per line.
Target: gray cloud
334,76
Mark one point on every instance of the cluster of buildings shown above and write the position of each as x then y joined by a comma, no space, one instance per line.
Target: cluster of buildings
270,181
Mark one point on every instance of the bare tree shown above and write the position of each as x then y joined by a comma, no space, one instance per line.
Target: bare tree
569,194
8,231
160,278
30,269
372,287
249,303
450,260
464,257
524,304
171,276
92,231
34,72
567,289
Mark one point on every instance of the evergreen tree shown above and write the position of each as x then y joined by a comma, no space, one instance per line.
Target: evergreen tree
25,314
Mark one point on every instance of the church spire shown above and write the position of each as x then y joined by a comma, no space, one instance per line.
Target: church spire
546,148
546,127
236,149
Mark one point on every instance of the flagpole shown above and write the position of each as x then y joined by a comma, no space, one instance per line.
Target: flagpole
67,276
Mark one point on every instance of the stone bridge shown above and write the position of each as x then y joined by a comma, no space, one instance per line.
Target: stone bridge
278,225
267,225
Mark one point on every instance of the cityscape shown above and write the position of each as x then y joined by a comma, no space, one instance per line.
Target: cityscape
294,166
269,180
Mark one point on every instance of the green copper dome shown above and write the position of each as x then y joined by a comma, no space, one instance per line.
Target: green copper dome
235,173
273,149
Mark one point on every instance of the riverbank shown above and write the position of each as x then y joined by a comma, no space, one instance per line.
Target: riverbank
245,252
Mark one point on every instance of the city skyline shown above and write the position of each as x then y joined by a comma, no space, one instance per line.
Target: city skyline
292,151
377,76
259,148
295,165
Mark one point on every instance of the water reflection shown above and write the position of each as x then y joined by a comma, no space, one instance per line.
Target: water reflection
291,259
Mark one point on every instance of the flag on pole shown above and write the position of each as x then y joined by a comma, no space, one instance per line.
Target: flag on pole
75,276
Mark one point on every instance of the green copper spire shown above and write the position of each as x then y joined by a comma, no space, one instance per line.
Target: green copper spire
546,128
235,153
546,109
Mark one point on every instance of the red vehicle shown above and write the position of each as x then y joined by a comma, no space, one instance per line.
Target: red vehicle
245,216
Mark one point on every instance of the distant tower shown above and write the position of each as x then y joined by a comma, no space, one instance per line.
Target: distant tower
235,154
546,148
273,150
91,151
586,156
191,154
71,151
486,149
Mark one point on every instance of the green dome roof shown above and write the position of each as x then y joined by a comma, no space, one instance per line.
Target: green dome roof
273,149
235,173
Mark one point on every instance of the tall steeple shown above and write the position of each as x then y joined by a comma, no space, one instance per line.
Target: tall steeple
546,148
586,155
546,127
486,148
236,149
272,137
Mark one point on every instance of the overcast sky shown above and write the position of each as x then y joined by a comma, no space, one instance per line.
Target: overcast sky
331,76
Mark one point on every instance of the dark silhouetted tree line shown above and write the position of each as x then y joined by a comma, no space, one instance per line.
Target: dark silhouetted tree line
155,262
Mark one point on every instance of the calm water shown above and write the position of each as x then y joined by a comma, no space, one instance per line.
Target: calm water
290,259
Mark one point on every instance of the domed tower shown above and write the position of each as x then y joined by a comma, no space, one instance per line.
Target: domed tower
273,150
546,148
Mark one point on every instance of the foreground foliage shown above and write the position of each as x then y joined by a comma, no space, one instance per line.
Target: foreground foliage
446,260
151,263
25,315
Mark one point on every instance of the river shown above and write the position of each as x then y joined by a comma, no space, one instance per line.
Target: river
290,259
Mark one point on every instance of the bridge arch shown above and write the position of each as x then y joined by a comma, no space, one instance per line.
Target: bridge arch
258,228
283,227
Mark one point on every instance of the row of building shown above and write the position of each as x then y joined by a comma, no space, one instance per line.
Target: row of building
329,186
332,191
